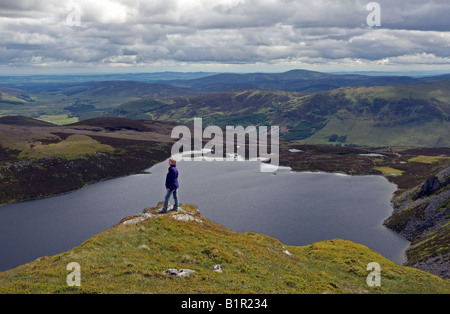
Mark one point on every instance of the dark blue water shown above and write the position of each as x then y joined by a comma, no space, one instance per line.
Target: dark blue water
296,208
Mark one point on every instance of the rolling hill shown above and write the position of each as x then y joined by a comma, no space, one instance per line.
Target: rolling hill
43,160
38,159
13,96
132,258
294,80
124,90
312,107
23,121
405,115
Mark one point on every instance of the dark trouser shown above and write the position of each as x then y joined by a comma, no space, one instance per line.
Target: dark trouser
173,192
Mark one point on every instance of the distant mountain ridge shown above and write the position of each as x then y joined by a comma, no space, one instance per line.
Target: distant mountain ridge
55,79
296,80
314,107
293,80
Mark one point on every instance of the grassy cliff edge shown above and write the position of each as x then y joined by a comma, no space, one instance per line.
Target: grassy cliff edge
132,256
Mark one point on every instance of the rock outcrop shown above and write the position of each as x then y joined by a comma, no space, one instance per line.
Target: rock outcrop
429,187
178,273
422,215
151,213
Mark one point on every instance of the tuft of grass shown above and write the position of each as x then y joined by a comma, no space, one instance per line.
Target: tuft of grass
61,119
427,159
73,147
388,171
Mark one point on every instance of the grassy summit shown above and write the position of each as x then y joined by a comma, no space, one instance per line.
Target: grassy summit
131,258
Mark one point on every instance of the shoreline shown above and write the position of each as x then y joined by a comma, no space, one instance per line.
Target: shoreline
398,190
147,172
73,191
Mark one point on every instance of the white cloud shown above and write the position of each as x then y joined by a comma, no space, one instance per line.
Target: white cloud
105,11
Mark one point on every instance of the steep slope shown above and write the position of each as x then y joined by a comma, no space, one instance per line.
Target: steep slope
133,256
416,115
422,215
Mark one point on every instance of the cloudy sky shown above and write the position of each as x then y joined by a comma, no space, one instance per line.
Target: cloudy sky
73,36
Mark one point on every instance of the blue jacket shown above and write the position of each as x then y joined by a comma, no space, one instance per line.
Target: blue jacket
172,178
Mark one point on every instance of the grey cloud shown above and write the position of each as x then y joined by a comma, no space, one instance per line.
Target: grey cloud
143,32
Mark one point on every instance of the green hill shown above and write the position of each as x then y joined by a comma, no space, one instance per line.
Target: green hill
108,93
414,115
11,97
66,99
132,257
398,115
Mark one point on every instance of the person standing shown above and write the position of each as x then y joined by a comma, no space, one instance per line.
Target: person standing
171,186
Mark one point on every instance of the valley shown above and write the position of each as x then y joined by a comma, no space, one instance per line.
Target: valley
58,136
357,110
